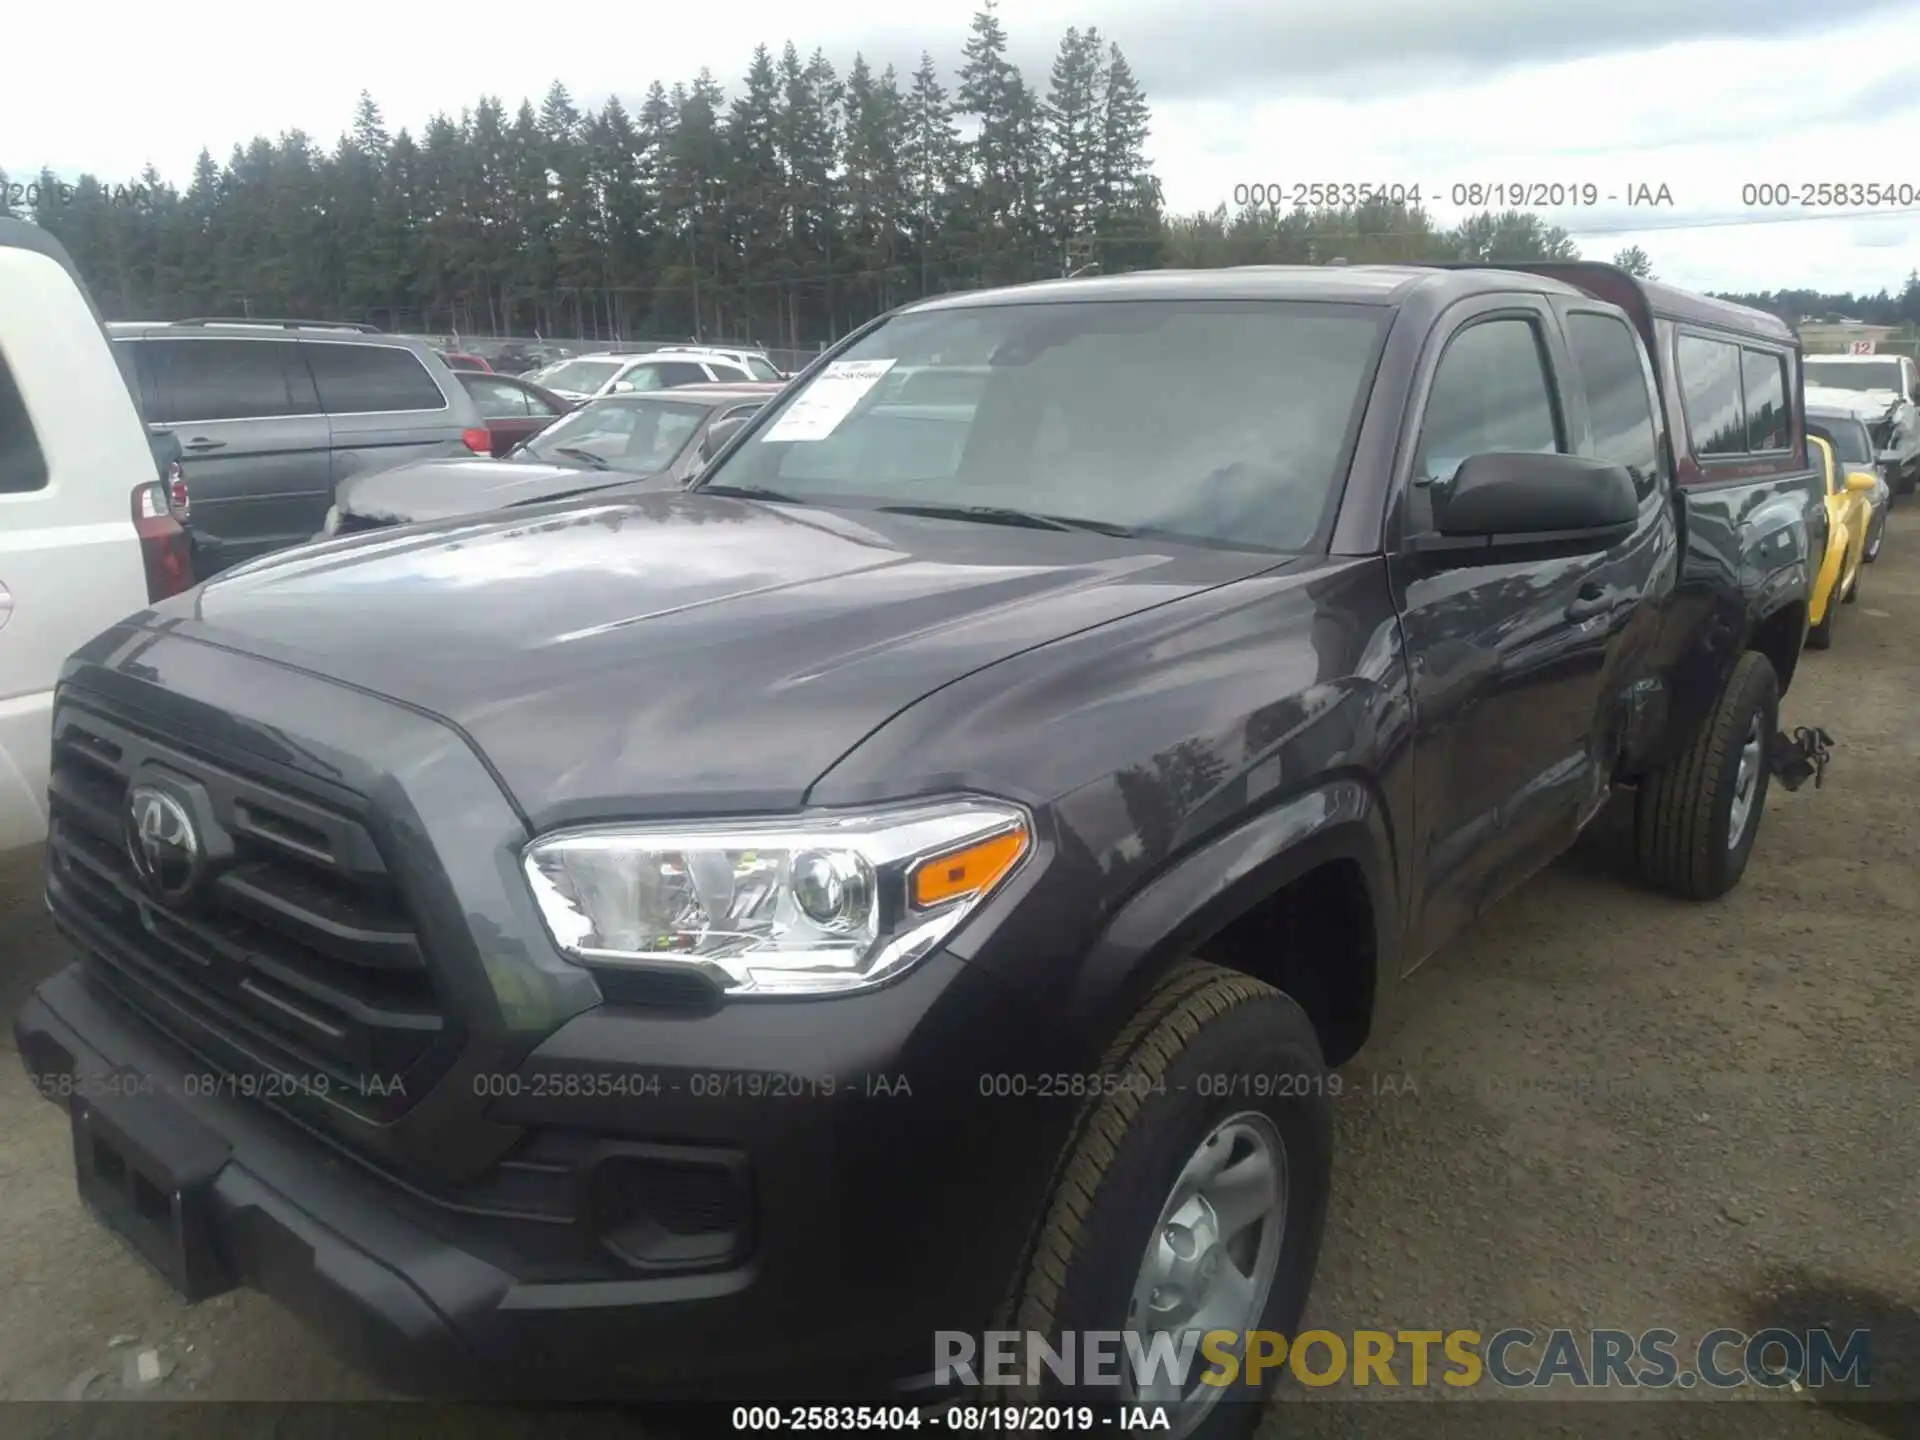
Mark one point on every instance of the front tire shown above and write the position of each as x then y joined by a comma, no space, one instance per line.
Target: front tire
1192,1197
1820,637
1695,819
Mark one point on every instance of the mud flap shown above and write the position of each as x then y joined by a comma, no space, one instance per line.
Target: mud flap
1801,754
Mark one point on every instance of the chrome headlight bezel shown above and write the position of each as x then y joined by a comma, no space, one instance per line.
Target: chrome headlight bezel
719,897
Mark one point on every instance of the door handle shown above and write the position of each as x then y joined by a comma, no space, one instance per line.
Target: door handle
200,443
1592,600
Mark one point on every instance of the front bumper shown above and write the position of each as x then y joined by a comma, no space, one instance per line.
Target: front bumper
876,1220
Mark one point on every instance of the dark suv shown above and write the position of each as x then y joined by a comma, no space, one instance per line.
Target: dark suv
919,878
273,415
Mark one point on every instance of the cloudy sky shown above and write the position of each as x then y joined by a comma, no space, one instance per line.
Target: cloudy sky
1702,97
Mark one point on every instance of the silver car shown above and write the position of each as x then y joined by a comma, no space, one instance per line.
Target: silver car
273,415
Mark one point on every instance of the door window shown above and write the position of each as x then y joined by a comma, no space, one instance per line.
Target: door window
1711,387
1619,409
370,379
1490,395
1765,385
220,379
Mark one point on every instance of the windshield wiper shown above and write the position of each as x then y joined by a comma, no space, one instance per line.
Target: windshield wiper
748,492
575,453
1006,515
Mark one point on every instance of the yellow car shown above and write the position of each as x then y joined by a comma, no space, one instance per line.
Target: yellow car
1849,516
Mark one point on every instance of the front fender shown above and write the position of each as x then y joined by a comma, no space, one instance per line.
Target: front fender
1203,892
1826,583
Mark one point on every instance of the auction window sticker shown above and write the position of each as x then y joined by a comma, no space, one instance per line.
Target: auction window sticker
828,399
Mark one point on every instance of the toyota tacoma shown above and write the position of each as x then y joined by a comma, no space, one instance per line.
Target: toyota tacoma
921,877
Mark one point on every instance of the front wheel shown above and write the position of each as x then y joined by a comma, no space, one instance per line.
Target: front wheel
1695,819
1189,1200
1820,637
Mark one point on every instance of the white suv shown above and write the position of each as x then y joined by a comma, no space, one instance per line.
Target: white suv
88,533
587,377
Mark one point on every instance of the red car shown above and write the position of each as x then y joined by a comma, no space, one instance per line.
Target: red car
514,409
456,360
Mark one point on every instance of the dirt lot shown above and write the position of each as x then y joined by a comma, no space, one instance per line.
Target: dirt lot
1603,1108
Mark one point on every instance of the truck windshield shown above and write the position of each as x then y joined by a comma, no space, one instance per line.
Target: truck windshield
1853,374
1218,421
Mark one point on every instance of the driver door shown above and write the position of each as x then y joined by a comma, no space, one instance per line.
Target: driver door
1505,656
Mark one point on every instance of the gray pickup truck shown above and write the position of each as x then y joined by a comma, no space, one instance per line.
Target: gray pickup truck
920,878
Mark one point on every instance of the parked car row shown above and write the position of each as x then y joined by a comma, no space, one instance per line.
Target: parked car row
1858,499
1863,422
277,419
1142,702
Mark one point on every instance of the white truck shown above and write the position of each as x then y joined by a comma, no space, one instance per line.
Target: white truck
1886,395
89,529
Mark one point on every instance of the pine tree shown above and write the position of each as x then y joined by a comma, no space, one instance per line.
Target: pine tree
995,196
369,130
1073,121
880,199
1128,220
757,185
932,168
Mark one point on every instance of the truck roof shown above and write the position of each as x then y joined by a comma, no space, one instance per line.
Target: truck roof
1386,285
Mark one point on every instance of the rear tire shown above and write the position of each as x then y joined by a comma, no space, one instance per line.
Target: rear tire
1686,813
1197,1067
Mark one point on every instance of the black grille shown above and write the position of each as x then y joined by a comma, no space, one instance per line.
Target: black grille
296,955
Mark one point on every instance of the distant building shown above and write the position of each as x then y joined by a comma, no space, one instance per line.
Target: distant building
1842,336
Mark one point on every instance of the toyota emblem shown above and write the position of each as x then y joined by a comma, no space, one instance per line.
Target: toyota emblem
161,843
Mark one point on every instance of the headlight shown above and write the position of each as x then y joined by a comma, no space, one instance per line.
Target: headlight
814,905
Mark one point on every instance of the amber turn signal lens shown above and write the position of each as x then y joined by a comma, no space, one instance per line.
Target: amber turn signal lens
969,871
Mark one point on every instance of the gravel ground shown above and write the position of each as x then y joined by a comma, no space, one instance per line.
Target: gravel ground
1602,1108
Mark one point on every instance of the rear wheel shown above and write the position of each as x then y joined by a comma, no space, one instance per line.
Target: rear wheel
1696,818
1190,1199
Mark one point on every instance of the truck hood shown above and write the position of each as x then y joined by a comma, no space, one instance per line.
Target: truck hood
679,653
444,489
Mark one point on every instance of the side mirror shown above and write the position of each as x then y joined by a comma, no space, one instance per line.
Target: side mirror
1861,483
719,433
1507,498
620,387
